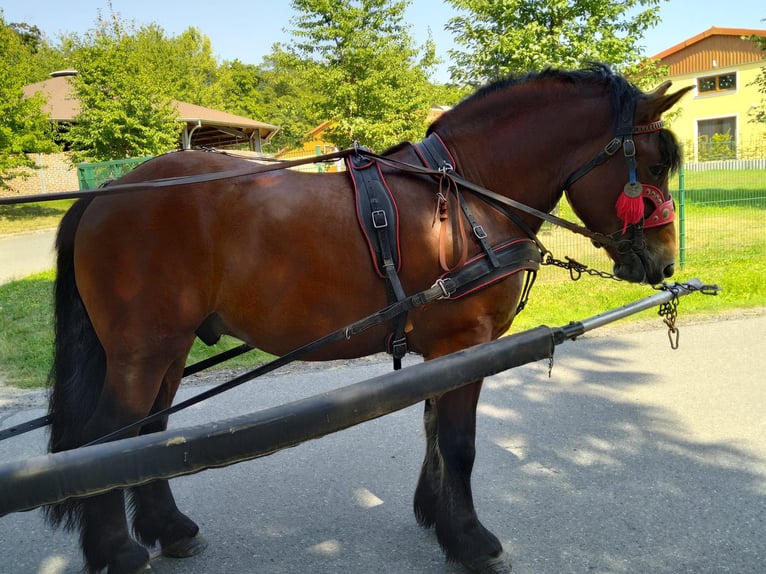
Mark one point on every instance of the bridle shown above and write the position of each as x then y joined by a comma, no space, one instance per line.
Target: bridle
630,205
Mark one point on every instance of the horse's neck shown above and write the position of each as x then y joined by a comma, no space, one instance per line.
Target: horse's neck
529,150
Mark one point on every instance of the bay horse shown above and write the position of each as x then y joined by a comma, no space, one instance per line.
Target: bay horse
277,259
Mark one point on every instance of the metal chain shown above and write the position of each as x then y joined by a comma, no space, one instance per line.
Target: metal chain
669,313
669,310
576,269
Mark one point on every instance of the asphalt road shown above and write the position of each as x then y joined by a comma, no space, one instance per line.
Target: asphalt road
23,254
631,458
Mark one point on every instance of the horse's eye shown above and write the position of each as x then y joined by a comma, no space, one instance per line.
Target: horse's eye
658,170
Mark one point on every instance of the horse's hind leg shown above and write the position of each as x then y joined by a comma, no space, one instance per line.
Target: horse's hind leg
105,537
156,518
444,496
133,385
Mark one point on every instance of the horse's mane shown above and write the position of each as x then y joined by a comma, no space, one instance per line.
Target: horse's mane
593,73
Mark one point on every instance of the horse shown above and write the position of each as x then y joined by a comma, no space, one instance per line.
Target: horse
278,259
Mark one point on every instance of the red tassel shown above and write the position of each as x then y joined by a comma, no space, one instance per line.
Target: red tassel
629,209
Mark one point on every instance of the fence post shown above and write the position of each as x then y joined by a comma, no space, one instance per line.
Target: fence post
682,216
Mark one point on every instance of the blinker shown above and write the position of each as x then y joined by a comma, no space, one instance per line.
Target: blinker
664,210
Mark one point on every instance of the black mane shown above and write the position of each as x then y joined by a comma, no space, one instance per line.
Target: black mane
593,73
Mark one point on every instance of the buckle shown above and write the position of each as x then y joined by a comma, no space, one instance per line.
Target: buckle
478,230
611,148
379,220
629,147
399,348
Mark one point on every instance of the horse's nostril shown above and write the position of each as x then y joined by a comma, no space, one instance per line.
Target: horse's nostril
669,270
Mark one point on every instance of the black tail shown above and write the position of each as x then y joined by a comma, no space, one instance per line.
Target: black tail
79,364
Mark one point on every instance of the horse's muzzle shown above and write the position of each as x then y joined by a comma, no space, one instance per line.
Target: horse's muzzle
636,269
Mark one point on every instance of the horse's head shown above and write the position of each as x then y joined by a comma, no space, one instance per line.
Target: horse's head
623,191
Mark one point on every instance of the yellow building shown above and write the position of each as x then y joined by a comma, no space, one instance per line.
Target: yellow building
716,118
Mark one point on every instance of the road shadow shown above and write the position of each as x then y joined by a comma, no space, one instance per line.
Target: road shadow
598,482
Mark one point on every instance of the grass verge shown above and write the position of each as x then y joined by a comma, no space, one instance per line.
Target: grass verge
27,217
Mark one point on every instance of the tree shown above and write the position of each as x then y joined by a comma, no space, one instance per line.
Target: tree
516,36
125,102
371,79
25,128
759,113
279,91
185,63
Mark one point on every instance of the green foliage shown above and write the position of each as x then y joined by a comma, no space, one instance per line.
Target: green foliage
515,36
759,113
185,63
279,91
24,127
716,147
372,80
126,104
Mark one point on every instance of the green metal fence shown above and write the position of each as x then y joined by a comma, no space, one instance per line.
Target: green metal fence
721,215
722,210
93,175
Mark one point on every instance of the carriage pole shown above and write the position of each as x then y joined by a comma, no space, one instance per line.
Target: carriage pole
28,483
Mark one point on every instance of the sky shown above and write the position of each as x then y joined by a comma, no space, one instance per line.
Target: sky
247,29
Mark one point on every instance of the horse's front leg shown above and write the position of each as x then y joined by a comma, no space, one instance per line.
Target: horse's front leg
444,497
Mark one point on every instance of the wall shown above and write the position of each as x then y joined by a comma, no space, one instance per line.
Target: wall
56,174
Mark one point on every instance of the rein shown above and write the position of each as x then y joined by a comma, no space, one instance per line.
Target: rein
178,180
487,194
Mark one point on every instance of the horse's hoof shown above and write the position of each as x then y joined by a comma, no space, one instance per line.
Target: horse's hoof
185,547
497,565
139,570
132,559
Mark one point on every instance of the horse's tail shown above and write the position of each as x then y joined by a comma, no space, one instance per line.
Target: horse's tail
79,364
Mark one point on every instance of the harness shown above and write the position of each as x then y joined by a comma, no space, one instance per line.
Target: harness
378,219
490,266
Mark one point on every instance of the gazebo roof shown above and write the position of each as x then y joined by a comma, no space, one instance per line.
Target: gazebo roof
204,126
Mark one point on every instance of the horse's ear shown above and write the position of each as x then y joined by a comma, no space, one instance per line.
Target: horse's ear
661,89
658,102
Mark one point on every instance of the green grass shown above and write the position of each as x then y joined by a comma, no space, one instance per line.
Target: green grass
721,180
556,302
32,216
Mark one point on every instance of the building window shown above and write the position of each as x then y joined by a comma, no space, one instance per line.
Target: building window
721,83
717,139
